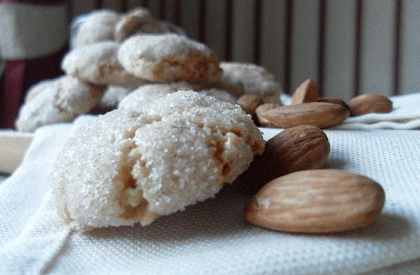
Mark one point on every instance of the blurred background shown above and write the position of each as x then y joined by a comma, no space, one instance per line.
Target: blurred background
348,47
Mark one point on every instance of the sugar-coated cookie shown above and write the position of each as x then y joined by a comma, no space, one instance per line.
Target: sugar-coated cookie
98,26
128,167
254,78
168,58
145,95
235,89
220,94
55,101
38,88
98,64
139,20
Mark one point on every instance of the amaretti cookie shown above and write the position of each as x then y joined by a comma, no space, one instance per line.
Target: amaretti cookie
38,88
235,89
139,20
128,167
168,58
98,26
220,94
145,95
55,101
98,64
254,78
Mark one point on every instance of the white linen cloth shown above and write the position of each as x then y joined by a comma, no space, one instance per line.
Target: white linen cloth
13,147
405,115
211,237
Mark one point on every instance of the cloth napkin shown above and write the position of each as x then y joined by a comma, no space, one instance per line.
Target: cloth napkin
405,115
211,237
13,147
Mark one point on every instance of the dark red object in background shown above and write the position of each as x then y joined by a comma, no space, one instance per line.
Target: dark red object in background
20,75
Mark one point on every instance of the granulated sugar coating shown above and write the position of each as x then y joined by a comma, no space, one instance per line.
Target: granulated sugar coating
146,94
128,167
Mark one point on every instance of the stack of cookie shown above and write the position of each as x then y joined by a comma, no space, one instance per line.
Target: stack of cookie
129,60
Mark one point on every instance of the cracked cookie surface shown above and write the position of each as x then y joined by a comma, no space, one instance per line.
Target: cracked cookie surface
126,167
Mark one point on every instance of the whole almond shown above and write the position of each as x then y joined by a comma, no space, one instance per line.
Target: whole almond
370,103
294,149
262,109
249,103
334,100
306,92
319,114
317,201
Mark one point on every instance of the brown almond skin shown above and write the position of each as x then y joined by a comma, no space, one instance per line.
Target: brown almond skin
295,149
306,92
334,100
317,202
262,109
319,114
124,29
249,103
370,103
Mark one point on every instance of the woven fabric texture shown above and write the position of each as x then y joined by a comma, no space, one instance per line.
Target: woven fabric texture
212,237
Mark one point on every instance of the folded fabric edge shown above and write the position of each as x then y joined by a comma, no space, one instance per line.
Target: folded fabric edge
13,147
42,242
391,125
